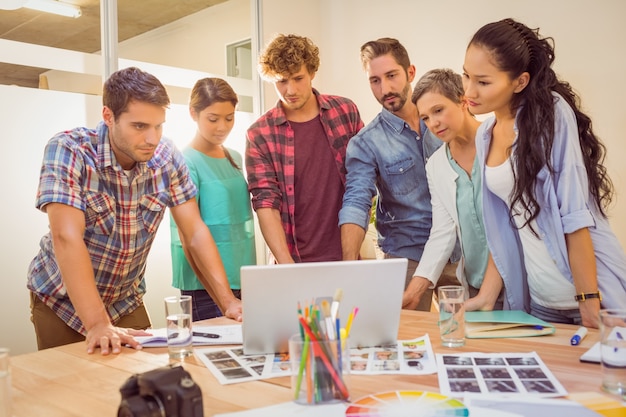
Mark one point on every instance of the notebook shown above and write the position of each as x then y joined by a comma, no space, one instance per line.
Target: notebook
270,296
504,323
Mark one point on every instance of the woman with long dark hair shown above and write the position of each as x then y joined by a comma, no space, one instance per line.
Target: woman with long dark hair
545,188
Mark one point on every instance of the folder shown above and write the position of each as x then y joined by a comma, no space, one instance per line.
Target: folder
504,323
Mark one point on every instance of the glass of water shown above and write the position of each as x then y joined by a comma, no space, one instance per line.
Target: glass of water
179,333
613,350
452,315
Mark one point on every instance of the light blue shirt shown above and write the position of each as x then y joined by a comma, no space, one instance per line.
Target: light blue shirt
388,157
566,206
469,208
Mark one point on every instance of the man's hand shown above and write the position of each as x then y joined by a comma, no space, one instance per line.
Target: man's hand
414,292
233,310
110,339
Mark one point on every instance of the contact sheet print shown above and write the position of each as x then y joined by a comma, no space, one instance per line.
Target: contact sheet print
504,373
411,357
232,365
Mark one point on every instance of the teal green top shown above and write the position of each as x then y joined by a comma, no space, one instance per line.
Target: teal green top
470,211
224,204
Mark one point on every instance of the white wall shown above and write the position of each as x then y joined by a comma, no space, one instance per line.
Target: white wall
589,39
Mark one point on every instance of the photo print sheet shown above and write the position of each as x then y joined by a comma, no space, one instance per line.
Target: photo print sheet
232,365
410,357
504,373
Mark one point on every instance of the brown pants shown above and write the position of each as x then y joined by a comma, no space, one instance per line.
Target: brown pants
448,277
51,331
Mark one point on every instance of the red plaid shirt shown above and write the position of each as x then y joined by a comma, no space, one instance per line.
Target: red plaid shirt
270,155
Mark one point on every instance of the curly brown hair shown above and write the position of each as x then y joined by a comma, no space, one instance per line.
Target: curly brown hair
285,55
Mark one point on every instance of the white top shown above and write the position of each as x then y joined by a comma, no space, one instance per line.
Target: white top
547,286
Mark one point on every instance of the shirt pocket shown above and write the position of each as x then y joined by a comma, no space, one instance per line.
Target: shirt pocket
99,213
152,208
400,176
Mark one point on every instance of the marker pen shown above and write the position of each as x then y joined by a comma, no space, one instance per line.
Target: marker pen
578,336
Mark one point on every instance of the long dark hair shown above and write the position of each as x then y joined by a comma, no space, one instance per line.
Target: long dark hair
515,49
208,91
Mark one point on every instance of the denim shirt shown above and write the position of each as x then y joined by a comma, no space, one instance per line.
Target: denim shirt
389,157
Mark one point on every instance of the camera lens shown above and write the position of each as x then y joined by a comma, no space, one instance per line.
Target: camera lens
146,406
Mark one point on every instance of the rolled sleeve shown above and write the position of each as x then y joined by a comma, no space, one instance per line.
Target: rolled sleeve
360,184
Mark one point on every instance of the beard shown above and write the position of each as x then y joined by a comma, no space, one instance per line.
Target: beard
400,101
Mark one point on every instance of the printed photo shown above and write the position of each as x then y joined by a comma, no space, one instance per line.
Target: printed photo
530,373
457,360
542,386
460,373
226,364
413,354
522,361
464,386
490,361
495,373
501,386
385,355
236,373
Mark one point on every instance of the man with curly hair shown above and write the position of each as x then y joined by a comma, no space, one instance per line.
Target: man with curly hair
295,156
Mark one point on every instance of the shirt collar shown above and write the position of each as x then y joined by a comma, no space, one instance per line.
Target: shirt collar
397,123
280,113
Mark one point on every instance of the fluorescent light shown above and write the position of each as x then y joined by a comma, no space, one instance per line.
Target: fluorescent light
53,6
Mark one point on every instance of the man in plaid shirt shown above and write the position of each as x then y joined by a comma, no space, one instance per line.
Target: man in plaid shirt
105,191
295,156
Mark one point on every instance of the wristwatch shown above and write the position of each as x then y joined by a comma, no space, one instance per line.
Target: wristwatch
585,295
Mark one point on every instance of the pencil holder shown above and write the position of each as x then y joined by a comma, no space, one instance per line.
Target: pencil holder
320,370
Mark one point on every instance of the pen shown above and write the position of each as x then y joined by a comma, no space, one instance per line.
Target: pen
207,335
578,336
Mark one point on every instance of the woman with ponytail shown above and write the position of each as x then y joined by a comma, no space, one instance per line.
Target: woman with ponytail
222,197
545,188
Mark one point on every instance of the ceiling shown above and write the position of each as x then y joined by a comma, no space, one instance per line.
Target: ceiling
83,34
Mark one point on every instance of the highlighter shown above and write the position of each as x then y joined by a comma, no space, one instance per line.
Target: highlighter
578,336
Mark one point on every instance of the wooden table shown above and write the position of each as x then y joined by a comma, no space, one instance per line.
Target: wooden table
66,381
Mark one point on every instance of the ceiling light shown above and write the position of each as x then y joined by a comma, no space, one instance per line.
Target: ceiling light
53,6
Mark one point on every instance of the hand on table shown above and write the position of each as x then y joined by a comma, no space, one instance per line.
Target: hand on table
414,292
110,339
233,310
590,312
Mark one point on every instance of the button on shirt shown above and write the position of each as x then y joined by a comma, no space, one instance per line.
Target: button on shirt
121,216
389,157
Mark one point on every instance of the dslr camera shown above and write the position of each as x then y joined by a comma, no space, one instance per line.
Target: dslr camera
163,392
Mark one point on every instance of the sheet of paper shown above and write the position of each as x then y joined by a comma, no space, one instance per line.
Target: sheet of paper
409,357
529,406
227,335
513,374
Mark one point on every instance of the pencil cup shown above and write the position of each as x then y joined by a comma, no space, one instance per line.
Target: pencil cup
613,351
5,384
179,335
320,370
452,315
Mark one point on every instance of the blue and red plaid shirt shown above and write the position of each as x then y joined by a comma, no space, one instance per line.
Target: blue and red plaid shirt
122,215
270,155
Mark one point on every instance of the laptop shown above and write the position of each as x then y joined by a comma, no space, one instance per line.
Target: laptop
270,296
